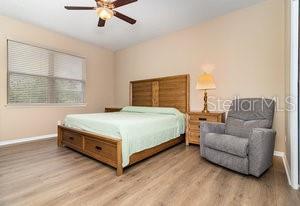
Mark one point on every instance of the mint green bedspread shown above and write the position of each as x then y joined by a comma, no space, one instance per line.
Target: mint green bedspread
139,128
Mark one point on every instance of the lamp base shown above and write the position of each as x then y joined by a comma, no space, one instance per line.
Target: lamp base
205,109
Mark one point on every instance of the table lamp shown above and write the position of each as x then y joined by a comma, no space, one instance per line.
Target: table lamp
205,82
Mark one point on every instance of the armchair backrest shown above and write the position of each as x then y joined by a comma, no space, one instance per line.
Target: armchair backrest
249,113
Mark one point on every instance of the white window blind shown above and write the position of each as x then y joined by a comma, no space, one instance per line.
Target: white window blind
41,76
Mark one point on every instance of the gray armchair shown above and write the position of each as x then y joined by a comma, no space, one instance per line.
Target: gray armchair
245,143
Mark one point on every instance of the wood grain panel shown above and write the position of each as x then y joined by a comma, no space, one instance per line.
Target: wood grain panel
142,93
170,91
154,150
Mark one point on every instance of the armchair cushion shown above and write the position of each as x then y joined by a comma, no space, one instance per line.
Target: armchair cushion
243,128
227,143
246,114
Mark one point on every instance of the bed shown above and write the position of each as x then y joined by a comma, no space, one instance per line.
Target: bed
154,122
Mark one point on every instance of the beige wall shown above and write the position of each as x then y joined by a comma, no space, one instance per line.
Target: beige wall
247,47
17,122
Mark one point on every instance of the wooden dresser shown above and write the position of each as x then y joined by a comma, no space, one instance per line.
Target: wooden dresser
112,109
193,123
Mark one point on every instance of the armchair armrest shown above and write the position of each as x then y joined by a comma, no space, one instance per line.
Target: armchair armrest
209,127
261,149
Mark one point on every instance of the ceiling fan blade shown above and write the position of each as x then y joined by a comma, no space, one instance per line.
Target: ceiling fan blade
124,17
119,3
101,22
80,7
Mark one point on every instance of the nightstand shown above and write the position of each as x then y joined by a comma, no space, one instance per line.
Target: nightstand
112,109
193,123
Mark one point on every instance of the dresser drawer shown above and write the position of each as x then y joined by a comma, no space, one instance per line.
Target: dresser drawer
100,149
73,140
203,118
194,137
194,126
194,119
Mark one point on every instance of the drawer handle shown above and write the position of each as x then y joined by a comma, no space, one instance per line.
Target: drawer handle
98,148
202,119
71,138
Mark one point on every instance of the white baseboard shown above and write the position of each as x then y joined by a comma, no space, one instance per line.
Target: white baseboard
6,143
286,166
287,169
279,154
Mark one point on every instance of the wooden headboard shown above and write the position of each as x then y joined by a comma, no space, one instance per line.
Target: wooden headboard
172,91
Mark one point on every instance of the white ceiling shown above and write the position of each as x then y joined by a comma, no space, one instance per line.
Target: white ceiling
154,18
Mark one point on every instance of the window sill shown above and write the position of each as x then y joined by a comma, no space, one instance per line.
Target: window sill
17,106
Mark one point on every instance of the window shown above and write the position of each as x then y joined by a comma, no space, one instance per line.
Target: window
41,76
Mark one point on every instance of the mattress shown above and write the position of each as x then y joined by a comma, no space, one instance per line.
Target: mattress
139,128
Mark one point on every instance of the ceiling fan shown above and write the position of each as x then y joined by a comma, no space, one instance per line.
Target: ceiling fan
104,10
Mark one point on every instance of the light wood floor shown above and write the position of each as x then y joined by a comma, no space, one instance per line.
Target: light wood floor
41,174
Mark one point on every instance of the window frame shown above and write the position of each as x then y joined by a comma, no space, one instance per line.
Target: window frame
83,81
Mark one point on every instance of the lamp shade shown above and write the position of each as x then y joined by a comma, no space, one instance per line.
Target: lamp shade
206,82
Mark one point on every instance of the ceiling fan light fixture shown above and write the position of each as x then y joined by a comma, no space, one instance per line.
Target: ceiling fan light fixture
105,10
104,13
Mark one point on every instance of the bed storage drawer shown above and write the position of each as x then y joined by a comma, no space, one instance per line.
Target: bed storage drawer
73,140
101,150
